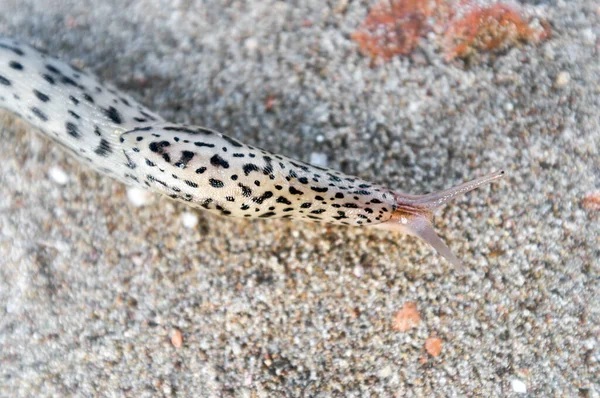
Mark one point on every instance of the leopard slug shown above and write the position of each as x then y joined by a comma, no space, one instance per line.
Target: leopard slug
201,167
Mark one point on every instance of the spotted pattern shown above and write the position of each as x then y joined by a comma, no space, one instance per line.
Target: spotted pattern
192,164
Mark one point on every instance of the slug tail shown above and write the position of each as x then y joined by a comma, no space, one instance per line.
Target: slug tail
414,213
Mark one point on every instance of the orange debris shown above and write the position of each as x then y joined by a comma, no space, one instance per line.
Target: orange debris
407,318
176,338
394,27
433,346
591,201
497,27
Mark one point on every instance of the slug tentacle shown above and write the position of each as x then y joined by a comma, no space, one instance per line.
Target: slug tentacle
117,136
414,213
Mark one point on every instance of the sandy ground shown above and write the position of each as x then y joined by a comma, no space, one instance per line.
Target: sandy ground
94,290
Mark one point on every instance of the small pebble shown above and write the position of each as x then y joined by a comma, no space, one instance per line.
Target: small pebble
137,196
58,175
176,338
433,346
562,79
407,318
189,219
385,372
518,386
589,37
318,159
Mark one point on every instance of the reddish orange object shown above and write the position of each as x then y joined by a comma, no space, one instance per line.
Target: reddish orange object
487,29
433,346
591,201
394,27
407,318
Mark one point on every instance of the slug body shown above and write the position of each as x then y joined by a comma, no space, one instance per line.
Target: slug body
203,168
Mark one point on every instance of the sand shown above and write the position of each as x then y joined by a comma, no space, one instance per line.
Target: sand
104,295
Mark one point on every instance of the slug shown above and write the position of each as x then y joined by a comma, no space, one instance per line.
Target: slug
203,168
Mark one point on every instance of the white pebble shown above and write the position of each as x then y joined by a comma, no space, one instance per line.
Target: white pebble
58,175
189,219
358,271
589,344
518,386
251,44
562,79
509,107
385,372
318,159
589,37
137,196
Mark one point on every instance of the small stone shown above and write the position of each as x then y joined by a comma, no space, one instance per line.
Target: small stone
433,346
591,201
518,386
58,175
385,372
137,196
407,318
176,338
562,79
189,219
340,7
589,37
251,44
358,271
318,159
589,344
509,107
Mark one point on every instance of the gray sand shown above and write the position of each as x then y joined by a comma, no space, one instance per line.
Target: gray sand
92,287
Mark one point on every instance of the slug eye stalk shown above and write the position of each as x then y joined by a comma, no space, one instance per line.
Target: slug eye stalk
414,214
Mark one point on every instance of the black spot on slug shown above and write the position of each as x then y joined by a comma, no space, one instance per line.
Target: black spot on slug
49,79
204,144
4,81
294,191
88,98
216,183
41,115
103,149
15,65
246,191
112,113
41,96
53,69
218,161
283,199
186,156
250,167
232,141
265,215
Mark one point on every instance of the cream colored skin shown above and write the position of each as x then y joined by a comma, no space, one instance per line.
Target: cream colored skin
205,169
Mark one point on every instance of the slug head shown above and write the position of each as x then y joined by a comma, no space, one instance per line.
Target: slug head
414,214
